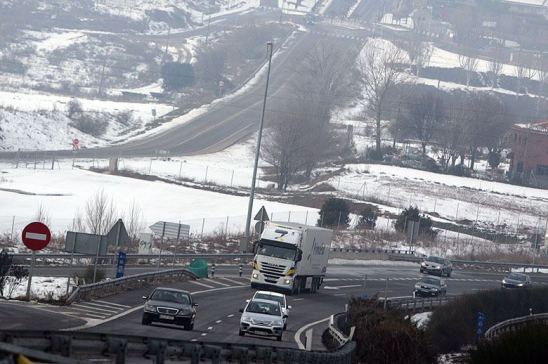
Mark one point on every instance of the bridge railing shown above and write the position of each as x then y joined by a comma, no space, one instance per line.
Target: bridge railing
122,349
337,329
411,304
113,286
514,324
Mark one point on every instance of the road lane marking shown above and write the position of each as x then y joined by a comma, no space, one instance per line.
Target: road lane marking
88,325
298,299
204,334
339,287
102,305
216,282
92,309
231,280
302,329
231,315
112,303
202,284
218,321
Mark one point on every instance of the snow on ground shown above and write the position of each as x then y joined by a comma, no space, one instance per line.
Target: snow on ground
421,319
46,116
41,288
63,193
452,198
50,42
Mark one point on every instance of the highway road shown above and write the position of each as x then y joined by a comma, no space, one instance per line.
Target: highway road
220,298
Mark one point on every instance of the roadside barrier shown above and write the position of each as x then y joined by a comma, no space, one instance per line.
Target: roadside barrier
514,324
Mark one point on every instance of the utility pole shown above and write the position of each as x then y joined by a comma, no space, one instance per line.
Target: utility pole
258,150
100,92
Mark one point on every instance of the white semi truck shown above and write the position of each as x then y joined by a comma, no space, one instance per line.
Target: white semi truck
291,257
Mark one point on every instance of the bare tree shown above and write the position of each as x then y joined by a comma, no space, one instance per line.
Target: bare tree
419,54
134,221
42,215
378,67
524,71
99,213
450,135
424,115
495,67
470,65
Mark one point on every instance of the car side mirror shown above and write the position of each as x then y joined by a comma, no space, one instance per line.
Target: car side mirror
299,255
285,316
289,307
247,301
195,305
241,310
145,297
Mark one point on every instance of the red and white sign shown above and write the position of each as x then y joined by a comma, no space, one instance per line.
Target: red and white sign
36,236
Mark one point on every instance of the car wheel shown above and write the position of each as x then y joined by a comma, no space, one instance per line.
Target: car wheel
190,327
285,326
145,321
449,273
241,333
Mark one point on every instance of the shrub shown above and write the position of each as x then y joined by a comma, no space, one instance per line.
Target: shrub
334,212
6,262
74,109
459,170
412,213
90,125
386,337
87,275
454,325
526,345
368,217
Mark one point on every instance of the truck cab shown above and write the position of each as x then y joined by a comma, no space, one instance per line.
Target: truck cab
291,257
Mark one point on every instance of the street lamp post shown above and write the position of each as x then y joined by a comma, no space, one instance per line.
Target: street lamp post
257,152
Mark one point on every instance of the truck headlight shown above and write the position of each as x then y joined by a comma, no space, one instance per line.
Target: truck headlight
255,275
287,281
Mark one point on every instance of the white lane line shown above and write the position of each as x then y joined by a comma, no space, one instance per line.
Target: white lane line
210,328
140,307
216,282
231,315
202,284
218,321
101,305
112,303
193,340
87,313
231,280
302,329
204,334
298,299
93,309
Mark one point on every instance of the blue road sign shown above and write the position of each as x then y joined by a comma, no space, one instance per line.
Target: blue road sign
479,323
121,264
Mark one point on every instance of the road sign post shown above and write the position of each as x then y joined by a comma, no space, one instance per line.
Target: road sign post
35,236
121,264
479,324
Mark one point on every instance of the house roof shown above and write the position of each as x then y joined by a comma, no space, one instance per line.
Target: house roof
539,126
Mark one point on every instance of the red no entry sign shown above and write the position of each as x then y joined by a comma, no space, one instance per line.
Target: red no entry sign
36,236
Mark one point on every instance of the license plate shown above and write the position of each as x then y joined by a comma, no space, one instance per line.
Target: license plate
166,317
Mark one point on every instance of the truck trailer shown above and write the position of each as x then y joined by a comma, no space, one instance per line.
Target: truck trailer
291,257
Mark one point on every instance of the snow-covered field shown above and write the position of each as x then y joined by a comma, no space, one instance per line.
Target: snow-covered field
63,194
41,288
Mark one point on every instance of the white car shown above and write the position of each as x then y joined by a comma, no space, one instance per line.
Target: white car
262,317
276,297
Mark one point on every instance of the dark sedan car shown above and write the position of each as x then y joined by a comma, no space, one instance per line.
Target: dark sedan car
437,265
169,306
430,286
516,280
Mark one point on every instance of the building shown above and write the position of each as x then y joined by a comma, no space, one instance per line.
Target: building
529,157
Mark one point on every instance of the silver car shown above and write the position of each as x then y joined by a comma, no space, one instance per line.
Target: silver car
437,265
516,280
262,317
430,286
276,297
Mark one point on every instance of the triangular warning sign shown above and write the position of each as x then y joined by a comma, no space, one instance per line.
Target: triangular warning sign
262,215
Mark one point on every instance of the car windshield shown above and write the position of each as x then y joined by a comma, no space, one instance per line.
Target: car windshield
266,296
430,280
171,296
265,308
517,277
277,251
435,260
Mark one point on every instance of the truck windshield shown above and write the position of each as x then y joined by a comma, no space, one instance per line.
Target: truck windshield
277,250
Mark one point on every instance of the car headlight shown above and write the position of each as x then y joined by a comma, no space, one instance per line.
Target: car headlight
277,323
184,311
249,320
519,284
504,281
437,267
255,275
423,264
150,308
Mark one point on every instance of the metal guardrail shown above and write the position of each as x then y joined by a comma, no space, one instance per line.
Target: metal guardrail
336,333
120,349
113,286
415,304
469,263
373,251
515,323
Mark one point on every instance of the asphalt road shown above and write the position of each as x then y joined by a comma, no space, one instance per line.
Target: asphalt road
221,297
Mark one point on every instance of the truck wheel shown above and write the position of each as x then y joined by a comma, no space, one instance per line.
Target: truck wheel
313,285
